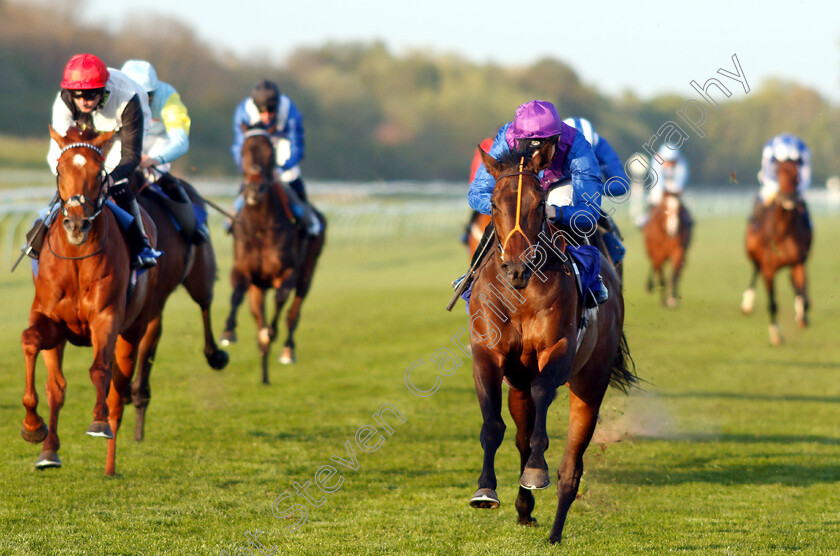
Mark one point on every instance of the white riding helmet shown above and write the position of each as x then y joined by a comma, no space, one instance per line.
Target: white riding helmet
786,151
142,72
667,153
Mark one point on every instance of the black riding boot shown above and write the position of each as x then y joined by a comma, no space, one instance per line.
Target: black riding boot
142,254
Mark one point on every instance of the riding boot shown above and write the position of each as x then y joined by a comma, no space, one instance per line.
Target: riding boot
597,295
142,254
482,244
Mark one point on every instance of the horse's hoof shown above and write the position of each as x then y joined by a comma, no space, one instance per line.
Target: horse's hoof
228,338
672,303
100,429
47,459
287,357
527,521
534,479
34,437
485,498
218,360
776,338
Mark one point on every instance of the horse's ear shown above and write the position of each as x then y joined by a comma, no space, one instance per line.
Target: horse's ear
56,136
103,138
492,165
541,159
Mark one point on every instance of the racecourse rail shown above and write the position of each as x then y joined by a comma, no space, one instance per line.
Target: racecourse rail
370,210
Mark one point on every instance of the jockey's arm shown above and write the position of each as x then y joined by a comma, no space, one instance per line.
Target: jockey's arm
62,120
582,165
295,135
611,167
240,116
481,188
177,122
131,137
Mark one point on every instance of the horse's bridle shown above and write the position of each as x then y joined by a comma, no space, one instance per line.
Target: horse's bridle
503,244
80,200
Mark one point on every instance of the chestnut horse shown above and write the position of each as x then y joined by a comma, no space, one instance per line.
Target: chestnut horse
526,332
270,250
667,235
81,296
780,237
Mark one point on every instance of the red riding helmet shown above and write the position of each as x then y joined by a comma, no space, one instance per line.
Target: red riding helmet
85,71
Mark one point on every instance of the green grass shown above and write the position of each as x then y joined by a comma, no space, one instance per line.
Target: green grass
730,448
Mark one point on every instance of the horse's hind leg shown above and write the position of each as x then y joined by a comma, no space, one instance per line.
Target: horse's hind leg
801,302
240,286
748,299
488,387
199,284
256,302
141,392
583,416
522,410
677,262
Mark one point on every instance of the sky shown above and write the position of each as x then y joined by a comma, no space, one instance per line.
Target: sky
647,47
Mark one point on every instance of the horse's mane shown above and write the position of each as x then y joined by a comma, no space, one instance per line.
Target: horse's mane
512,158
78,133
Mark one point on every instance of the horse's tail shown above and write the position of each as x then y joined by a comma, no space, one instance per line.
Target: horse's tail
623,370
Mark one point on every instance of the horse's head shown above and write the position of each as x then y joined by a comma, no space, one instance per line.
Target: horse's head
788,176
518,208
258,162
81,176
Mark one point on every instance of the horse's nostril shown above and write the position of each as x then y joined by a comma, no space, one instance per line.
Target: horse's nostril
86,225
66,223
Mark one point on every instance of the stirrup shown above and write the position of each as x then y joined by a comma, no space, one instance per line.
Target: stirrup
147,258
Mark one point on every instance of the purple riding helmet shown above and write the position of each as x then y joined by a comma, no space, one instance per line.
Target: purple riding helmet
539,119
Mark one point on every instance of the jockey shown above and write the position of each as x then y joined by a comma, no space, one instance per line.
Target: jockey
106,99
615,181
671,176
782,147
167,137
575,207
268,108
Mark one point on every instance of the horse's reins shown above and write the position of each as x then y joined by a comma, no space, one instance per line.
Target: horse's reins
80,200
518,228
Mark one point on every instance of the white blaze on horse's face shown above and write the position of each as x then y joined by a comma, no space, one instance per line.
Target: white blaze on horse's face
79,160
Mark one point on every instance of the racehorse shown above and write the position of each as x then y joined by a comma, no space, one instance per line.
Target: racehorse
81,296
667,235
526,332
270,250
780,237
194,266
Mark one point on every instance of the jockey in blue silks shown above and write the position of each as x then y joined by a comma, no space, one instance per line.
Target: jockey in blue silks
784,146
616,183
576,206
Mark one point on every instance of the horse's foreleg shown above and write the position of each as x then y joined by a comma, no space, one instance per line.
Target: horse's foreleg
104,332
772,308
748,299
141,392
522,410
240,286
583,417
535,473
56,387
677,262
488,387
256,302
41,332
125,354
801,302
199,284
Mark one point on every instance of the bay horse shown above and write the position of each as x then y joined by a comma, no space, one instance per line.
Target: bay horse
780,237
667,236
525,332
270,250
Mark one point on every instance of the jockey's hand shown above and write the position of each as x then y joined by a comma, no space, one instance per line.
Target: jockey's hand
149,161
551,212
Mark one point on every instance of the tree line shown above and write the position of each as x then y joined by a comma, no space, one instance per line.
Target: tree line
372,115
